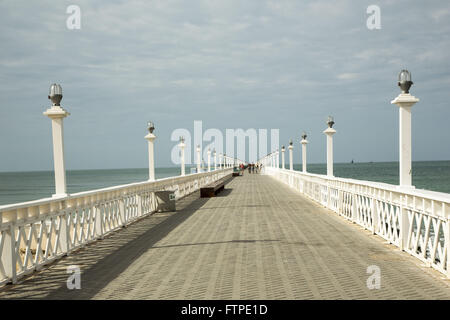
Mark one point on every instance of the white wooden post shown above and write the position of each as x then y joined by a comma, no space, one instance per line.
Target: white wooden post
404,223
98,221
329,132
139,203
291,163
57,114
64,234
122,210
151,161
405,101
215,160
304,142
8,254
354,205
373,208
282,157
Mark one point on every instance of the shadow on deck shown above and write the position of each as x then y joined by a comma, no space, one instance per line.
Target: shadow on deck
104,260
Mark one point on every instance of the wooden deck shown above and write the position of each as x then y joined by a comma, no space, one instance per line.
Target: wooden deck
257,239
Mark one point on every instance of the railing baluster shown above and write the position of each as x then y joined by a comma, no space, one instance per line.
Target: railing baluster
8,253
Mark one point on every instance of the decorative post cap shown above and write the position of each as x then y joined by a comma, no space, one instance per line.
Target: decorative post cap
55,94
198,147
150,126
181,139
330,122
282,148
404,80
290,142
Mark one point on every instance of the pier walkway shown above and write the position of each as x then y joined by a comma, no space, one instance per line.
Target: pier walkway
258,239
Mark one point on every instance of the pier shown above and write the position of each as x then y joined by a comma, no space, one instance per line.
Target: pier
274,233
225,159
258,239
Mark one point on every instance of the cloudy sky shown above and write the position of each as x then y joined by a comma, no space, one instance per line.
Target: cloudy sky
232,64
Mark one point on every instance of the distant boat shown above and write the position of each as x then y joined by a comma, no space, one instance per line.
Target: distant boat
352,162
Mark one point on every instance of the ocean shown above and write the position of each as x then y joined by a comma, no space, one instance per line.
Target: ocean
25,186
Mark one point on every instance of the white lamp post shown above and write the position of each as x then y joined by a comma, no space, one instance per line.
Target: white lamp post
151,160
291,164
209,160
56,113
182,145
329,132
215,159
283,149
199,160
405,101
304,142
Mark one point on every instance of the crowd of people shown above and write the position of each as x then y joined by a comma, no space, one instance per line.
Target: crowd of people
252,167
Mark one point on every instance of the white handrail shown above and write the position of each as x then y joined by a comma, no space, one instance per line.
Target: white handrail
35,233
417,221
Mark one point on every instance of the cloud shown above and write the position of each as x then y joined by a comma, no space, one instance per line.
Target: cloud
348,76
440,14
284,64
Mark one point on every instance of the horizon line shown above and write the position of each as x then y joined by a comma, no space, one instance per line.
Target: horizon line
194,165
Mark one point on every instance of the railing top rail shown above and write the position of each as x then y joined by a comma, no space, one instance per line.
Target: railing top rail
73,196
432,195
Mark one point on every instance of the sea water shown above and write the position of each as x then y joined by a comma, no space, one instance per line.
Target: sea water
26,186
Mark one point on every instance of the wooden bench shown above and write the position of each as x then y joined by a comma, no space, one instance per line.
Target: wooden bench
213,188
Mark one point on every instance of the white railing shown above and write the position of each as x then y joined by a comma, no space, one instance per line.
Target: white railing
36,233
416,221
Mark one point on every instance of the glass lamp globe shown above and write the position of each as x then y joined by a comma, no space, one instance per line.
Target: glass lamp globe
55,94
150,127
404,80
304,135
330,121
